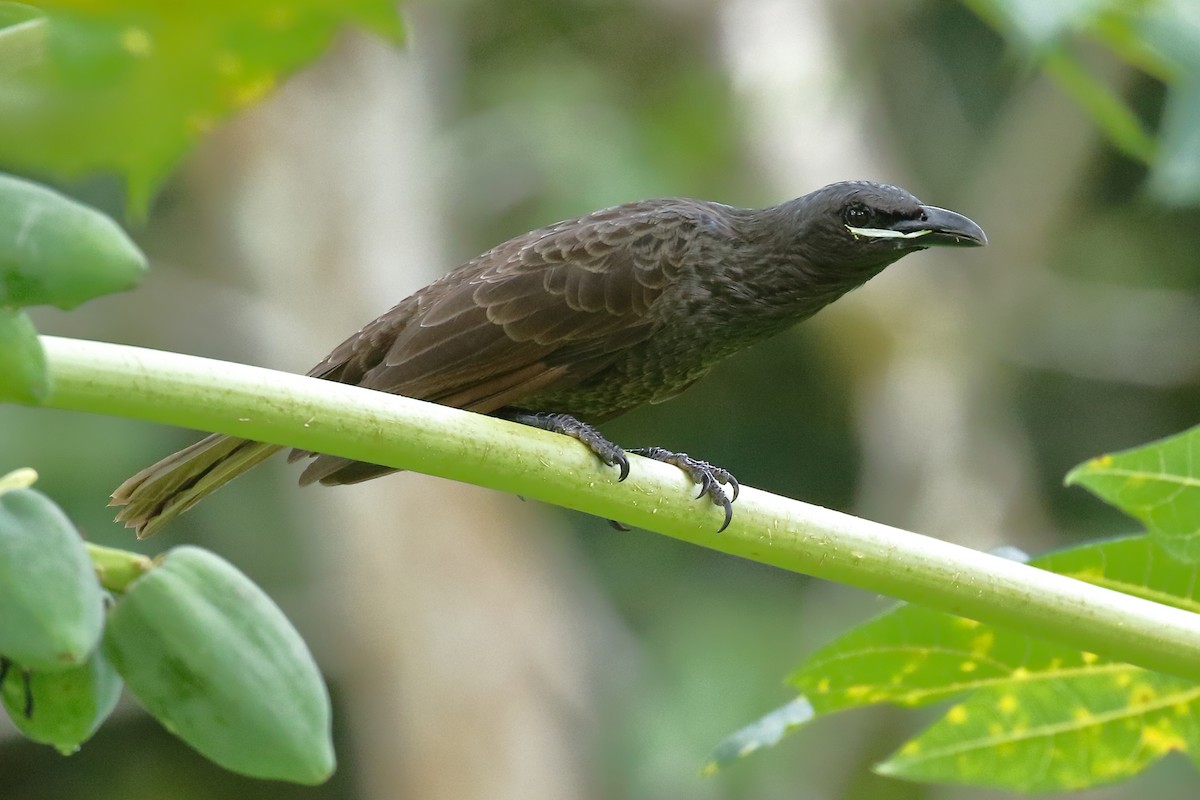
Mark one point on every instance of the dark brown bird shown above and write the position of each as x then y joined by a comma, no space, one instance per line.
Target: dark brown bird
578,322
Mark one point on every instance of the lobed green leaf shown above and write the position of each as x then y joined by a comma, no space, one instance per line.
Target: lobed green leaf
1057,735
1158,484
1038,716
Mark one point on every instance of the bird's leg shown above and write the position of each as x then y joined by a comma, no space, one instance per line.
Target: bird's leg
707,476
565,424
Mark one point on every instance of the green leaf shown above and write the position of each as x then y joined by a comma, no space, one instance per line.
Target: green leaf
1175,178
23,376
1158,484
766,731
1160,38
57,251
1016,685
1057,735
22,37
16,13
1125,30
128,86
1170,29
1110,113
1036,24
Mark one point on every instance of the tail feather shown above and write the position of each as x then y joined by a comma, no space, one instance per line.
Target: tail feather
337,471
163,491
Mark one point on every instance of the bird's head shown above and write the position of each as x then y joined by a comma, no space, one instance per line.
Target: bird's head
862,226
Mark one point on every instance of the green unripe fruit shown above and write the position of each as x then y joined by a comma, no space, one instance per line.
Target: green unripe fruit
218,664
23,377
67,707
51,608
56,251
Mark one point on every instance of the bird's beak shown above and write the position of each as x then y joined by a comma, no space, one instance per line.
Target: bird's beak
942,227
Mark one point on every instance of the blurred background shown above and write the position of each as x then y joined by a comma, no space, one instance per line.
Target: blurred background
478,646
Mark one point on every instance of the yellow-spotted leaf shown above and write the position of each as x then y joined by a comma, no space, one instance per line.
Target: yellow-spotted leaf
913,656
1158,484
1057,735
127,86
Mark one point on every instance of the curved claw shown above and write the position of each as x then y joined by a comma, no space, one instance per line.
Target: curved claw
710,479
718,475
726,504
619,460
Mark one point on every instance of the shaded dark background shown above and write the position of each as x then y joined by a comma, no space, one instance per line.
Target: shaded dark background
478,646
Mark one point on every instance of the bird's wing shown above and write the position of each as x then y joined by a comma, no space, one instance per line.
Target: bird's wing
540,312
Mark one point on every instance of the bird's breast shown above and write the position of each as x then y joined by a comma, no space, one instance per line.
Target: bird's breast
684,345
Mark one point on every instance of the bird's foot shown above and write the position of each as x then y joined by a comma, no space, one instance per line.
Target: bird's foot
567,425
708,477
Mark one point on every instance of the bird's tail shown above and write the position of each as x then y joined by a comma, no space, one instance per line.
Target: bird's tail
163,491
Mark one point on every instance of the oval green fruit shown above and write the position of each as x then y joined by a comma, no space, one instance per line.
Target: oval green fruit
51,607
218,664
23,376
68,706
56,251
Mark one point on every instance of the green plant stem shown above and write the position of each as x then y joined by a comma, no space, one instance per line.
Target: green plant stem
409,434
117,568
21,478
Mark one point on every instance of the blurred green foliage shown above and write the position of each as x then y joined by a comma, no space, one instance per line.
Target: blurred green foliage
128,86
1160,38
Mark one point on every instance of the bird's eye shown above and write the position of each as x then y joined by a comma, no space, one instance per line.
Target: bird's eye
857,215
